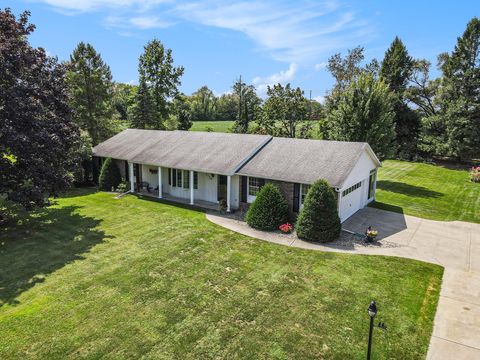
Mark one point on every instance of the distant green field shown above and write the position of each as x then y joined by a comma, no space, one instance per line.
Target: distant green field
216,126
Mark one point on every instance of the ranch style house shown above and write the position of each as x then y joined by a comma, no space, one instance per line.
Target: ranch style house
202,168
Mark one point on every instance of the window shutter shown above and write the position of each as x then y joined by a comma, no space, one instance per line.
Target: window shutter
174,177
261,182
296,197
244,189
127,175
169,176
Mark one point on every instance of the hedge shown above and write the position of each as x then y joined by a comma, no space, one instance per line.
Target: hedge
269,210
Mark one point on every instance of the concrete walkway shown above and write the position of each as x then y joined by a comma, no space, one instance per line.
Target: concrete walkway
454,245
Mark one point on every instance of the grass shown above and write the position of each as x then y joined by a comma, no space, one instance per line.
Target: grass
216,126
428,191
94,277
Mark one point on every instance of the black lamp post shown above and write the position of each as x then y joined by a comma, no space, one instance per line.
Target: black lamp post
372,311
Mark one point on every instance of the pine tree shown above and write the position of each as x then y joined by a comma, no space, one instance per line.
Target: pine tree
110,176
90,82
318,220
142,112
396,69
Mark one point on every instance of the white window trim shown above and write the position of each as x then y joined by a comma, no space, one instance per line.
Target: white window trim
250,198
300,205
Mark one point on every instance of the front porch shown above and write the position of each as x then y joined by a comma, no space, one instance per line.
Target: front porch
199,189
208,205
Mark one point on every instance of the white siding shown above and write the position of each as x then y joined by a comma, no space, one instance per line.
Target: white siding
207,187
235,193
357,199
148,176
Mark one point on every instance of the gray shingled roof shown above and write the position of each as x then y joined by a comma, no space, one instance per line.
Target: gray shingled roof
210,152
305,161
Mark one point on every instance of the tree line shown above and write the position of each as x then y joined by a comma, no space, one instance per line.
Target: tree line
52,113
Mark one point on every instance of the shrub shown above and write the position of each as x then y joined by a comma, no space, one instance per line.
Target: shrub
124,186
318,220
475,174
269,210
109,175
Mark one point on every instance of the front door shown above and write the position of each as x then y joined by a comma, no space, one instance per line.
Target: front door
221,187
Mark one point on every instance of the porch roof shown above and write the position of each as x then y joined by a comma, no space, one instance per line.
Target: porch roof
210,152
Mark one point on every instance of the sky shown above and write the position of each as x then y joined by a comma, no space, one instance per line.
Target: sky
264,41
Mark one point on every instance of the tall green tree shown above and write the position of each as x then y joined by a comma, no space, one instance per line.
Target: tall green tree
90,83
364,112
460,94
142,111
182,112
248,105
396,70
226,109
284,112
39,142
162,79
202,103
123,98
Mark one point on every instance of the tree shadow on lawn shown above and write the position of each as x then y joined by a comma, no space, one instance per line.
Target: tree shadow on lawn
40,244
407,189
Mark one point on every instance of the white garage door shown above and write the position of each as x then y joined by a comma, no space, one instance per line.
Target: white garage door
351,201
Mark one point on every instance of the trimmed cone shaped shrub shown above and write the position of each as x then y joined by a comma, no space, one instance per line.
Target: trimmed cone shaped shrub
269,210
109,175
318,220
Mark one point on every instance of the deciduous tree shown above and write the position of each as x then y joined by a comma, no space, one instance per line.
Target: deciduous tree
38,139
162,79
364,112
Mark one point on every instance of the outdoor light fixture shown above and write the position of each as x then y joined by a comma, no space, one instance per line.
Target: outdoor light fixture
372,311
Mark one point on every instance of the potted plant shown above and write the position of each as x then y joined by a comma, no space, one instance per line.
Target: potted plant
222,205
286,228
371,234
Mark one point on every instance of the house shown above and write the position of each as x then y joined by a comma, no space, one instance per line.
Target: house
202,168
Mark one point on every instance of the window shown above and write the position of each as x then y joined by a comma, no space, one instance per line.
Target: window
254,186
351,188
186,179
179,178
174,177
303,193
195,180
371,183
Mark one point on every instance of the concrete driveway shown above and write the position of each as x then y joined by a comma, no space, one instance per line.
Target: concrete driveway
454,245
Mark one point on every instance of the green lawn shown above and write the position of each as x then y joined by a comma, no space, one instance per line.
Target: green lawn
94,277
216,126
428,191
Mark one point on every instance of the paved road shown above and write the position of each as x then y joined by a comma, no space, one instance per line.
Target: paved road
454,245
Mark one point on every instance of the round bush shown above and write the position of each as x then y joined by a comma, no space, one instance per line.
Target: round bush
318,220
109,175
269,210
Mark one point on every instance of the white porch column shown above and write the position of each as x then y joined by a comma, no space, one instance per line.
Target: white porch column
229,191
159,182
130,173
191,187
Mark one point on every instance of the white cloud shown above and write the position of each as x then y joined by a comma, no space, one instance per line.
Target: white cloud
320,99
282,77
299,32
320,66
139,22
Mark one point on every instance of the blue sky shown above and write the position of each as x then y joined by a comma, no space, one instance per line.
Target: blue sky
264,41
